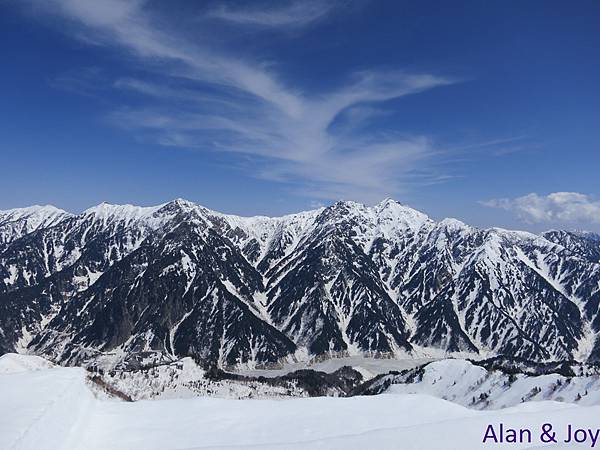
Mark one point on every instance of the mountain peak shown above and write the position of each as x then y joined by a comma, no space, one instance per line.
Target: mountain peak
392,211
17,222
108,211
451,223
349,204
34,209
388,201
182,202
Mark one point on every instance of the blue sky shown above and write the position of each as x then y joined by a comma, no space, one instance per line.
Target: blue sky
484,111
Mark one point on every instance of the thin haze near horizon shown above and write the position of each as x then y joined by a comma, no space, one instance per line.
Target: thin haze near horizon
487,112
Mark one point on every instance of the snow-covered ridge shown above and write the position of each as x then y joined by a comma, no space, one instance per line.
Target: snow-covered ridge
475,387
17,222
389,215
34,210
126,212
14,363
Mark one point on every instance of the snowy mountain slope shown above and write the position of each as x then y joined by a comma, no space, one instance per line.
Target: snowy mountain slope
583,244
185,379
109,232
16,223
475,387
14,363
263,240
55,408
180,280
328,294
189,293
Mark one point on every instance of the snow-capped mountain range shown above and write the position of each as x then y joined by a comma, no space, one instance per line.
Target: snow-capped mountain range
126,283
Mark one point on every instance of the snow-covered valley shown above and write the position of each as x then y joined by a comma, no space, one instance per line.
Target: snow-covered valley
45,406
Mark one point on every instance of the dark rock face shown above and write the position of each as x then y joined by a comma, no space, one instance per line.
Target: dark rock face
329,296
169,296
126,284
584,245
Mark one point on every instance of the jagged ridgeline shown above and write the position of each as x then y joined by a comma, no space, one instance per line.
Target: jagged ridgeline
127,283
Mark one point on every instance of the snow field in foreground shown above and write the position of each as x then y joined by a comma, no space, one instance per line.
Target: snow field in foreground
54,408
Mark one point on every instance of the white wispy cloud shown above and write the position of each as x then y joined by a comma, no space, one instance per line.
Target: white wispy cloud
564,207
213,101
291,14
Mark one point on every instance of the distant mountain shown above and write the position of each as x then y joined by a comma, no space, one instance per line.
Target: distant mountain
125,284
16,223
475,385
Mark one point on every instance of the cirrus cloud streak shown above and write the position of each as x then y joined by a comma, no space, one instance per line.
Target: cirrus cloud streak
198,96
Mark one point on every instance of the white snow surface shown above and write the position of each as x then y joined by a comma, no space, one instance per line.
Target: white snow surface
55,408
15,223
36,215
473,386
14,363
